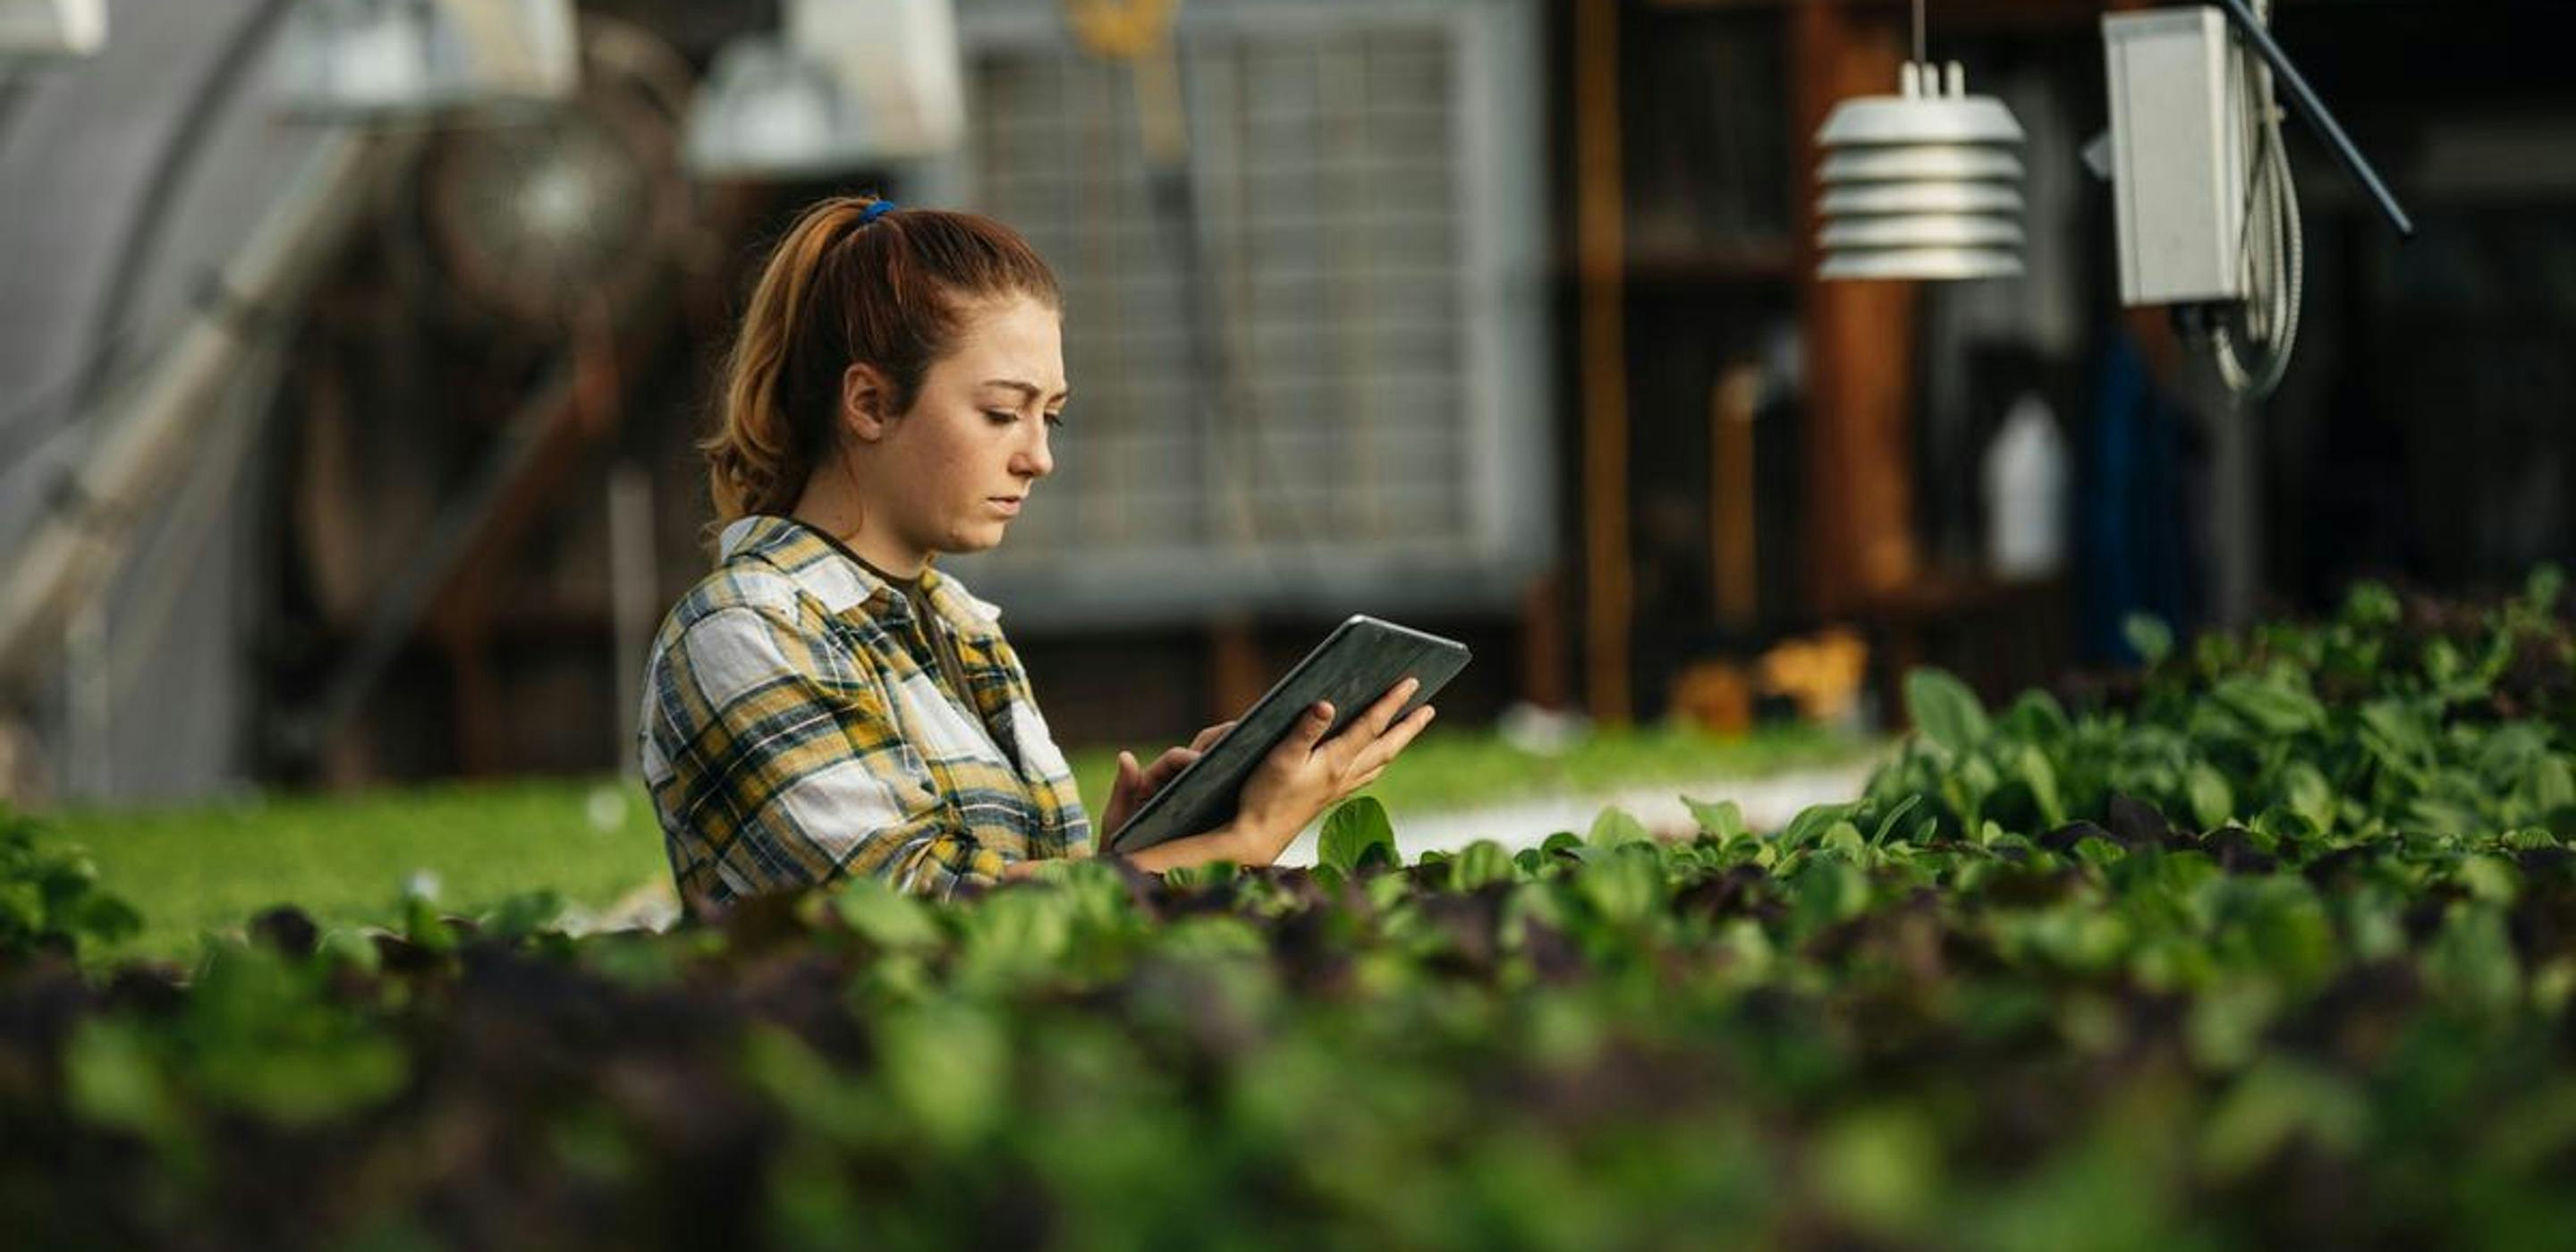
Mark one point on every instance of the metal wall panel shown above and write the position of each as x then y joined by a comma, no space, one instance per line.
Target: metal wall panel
1364,423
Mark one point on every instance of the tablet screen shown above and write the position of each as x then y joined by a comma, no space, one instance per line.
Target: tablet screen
1355,665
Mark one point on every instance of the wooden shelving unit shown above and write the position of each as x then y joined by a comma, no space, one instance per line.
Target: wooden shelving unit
1642,305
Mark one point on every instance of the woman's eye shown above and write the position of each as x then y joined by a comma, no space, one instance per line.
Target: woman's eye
1002,416
1055,419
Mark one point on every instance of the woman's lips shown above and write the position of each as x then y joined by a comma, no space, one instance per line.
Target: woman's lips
1009,505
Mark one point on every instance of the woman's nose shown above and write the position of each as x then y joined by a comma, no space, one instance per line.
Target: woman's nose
1035,458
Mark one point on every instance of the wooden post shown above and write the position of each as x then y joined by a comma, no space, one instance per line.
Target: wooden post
1236,676
1733,557
1543,642
1600,258
1860,344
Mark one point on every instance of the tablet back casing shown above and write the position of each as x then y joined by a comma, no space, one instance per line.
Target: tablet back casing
1356,664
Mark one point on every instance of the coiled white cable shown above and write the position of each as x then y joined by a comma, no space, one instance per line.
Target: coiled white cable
2254,352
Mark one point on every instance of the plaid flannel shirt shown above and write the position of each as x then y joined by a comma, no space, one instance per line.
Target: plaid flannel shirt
795,731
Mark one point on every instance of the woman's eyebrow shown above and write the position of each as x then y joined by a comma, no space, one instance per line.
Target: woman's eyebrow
1027,389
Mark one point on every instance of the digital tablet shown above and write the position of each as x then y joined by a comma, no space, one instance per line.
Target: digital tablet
1360,661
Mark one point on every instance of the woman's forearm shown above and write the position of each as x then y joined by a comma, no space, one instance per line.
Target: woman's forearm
1239,841
1235,841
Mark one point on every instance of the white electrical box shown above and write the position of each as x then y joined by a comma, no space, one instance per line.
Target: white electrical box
2178,155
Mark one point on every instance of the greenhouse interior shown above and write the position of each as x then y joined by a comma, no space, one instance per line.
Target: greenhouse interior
1389,623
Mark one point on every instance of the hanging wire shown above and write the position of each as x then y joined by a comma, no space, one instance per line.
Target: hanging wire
2254,346
1918,31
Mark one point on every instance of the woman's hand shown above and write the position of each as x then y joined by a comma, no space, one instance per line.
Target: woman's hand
1136,784
1307,773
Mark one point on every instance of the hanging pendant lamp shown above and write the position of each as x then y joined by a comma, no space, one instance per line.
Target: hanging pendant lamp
768,109
36,32
1923,184
393,60
844,85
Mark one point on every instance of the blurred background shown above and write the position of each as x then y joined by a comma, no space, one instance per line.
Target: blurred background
352,352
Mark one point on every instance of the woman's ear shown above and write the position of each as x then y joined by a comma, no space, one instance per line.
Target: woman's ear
863,402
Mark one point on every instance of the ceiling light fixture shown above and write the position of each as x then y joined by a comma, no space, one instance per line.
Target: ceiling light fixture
374,60
37,31
847,84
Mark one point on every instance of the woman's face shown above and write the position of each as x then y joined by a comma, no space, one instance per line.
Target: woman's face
950,474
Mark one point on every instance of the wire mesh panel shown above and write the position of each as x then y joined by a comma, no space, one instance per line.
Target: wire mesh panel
1273,343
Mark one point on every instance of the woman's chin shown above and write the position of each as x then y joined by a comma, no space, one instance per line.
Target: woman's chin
981,538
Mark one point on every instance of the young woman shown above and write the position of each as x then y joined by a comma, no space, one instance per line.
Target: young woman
826,703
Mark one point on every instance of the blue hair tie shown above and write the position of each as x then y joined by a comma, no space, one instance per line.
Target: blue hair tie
875,211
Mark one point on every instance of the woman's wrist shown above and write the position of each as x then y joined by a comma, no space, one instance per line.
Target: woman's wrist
1240,841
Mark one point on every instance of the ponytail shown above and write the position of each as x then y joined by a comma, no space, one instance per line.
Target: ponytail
853,281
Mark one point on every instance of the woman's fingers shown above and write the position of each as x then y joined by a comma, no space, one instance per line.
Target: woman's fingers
1166,767
1384,749
1310,729
1372,725
1382,713
1207,738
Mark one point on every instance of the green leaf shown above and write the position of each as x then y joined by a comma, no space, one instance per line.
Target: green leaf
1830,890
112,1078
948,1065
2473,959
1888,823
2226,1027
105,919
1722,821
2399,733
2213,802
2035,715
1481,862
2305,790
1627,887
1616,826
2442,663
2041,778
2149,637
889,918
2489,878
2542,590
524,914
1880,1169
1944,710
2272,1103
2371,604
1813,821
2553,784
1844,839
1357,832
2439,816
2270,705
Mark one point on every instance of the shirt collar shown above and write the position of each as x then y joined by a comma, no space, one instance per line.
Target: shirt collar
824,571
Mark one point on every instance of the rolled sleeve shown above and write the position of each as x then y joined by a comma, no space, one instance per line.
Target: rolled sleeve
786,769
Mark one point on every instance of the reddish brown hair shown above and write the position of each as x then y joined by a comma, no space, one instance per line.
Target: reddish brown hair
838,291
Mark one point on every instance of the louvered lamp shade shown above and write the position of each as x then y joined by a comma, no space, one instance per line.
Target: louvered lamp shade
1922,184
390,60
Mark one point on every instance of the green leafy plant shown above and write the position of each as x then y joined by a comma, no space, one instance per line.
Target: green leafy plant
2272,944
50,898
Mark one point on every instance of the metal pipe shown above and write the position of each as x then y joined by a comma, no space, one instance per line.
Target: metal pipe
145,436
